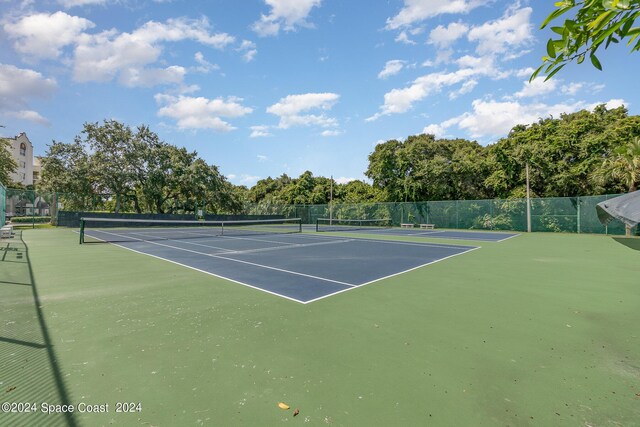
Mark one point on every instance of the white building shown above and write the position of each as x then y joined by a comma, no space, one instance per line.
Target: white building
22,151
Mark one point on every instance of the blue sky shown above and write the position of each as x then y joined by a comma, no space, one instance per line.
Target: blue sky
265,87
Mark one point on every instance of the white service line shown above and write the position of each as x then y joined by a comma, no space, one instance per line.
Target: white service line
241,261
185,242
295,245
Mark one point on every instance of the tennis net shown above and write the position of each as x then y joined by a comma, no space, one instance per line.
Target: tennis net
333,224
131,230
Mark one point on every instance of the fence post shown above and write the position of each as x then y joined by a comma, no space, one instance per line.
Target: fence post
578,206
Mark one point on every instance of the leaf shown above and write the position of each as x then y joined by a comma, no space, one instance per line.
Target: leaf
559,30
535,73
596,62
602,20
581,59
551,49
553,73
553,15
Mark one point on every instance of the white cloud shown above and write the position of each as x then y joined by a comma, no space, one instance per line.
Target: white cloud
289,110
445,36
391,68
248,49
415,11
30,116
329,133
104,56
513,30
403,37
259,132
73,3
262,158
466,87
495,118
243,179
610,104
525,72
285,14
571,88
401,100
344,180
149,77
43,36
538,87
200,112
204,65
18,86
436,130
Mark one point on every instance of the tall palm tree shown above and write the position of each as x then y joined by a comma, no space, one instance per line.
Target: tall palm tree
622,166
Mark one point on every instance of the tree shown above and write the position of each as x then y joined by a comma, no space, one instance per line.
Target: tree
111,165
596,22
66,169
623,165
8,164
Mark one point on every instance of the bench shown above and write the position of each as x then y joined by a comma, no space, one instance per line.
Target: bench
406,225
427,226
6,232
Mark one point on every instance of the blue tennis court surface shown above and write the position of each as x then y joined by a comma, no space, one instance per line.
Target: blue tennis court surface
482,236
300,267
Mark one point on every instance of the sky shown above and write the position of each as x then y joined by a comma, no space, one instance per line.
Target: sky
265,87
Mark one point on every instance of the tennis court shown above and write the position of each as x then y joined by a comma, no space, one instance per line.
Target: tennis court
272,256
537,330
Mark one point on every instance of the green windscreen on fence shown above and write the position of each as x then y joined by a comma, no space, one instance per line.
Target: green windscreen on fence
551,214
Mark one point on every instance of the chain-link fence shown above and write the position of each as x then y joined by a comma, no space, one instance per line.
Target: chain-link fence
3,204
553,214
29,207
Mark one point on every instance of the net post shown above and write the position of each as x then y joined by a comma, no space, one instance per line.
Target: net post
82,230
299,225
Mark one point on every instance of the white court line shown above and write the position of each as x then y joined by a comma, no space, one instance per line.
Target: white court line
351,286
184,241
507,238
241,261
396,242
423,234
294,245
389,276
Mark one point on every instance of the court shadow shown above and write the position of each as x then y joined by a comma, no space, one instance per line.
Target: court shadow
29,369
630,242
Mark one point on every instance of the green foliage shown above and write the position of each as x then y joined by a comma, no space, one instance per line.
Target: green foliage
592,24
423,168
622,164
7,163
30,219
562,154
118,169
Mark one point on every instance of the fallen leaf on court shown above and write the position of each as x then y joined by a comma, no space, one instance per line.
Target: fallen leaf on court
296,412
283,405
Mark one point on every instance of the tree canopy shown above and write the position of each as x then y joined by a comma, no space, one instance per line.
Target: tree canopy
8,164
592,24
582,153
136,168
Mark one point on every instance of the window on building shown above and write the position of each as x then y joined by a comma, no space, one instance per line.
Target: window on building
23,149
23,164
